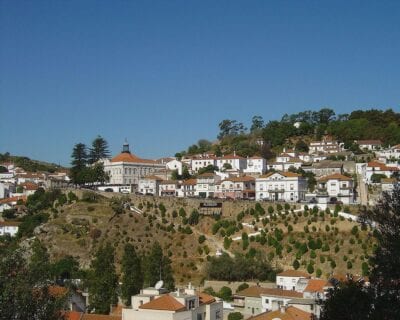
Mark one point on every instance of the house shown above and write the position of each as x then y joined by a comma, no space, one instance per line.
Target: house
376,167
172,164
281,186
205,184
6,189
255,165
9,227
369,144
327,145
335,186
287,280
201,161
232,161
126,168
169,188
189,188
29,188
188,304
236,188
249,299
284,313
324,167
274,299
390,154
388,184
9,203
149,185
295,163
317,289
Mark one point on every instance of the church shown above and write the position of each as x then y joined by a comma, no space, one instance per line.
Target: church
126,168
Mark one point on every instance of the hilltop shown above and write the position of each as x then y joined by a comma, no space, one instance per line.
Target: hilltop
28,164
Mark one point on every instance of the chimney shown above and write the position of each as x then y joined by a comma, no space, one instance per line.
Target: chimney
283,308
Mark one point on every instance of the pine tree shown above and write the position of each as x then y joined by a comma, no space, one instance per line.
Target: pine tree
158,267
79,161
103,280
99,150
132,276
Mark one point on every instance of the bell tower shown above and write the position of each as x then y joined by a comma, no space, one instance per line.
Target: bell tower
125,147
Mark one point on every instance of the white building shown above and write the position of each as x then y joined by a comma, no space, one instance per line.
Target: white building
369,144
8,227
287,280
185,304
335,186
375,167
236,162
388,184
126,168
236,188
255,165
274,299
205,184
169,188
149,185
281,186
392,153
201,161
325,146
189,188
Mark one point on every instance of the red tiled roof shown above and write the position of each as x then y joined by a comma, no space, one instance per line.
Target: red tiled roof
129,157
316,285
189,182
335,176
29,186
165,302
74,315
240,179
256,291
205,298
293,273
13,199
231,156
291,313
381,166
285,174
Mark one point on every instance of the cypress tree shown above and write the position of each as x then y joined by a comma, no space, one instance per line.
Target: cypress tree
132,276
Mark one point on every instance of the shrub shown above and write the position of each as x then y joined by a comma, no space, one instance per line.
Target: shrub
225,293
310,268
235,316
202,238
296,264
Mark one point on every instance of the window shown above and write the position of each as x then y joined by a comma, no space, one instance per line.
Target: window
266,300
218,315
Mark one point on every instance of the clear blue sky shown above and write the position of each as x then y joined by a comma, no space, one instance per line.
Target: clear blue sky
164,73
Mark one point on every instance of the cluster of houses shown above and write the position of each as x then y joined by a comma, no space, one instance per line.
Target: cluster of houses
17,184
294,295
237,177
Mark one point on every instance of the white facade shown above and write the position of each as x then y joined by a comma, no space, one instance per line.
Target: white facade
169,188
237,162
175,165
149,185
375,167
10,228
205,185
288,280
369,144
325,146
126,168
281,186
336,186
255,165
198,163
390,153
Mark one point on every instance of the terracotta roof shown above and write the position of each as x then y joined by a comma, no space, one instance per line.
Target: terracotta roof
381,166
189,182
206,175
205,298
291,313
165,302
254,291
169,182
13,199
240,179
293,273
129,157
9,223
282,293
29,186
336,176
372,142
316,285
285,174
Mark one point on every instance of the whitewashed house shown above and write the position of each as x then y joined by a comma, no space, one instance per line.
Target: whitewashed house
255,165
205,185
149,185
9,227
236,188
287,280
369,144
325,146
187,304
236,162
375,167
281,186
189,188
169,188
335,186
203,162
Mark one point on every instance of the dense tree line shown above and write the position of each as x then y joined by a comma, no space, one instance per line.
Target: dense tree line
27,164
86,168
240,268
234,136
